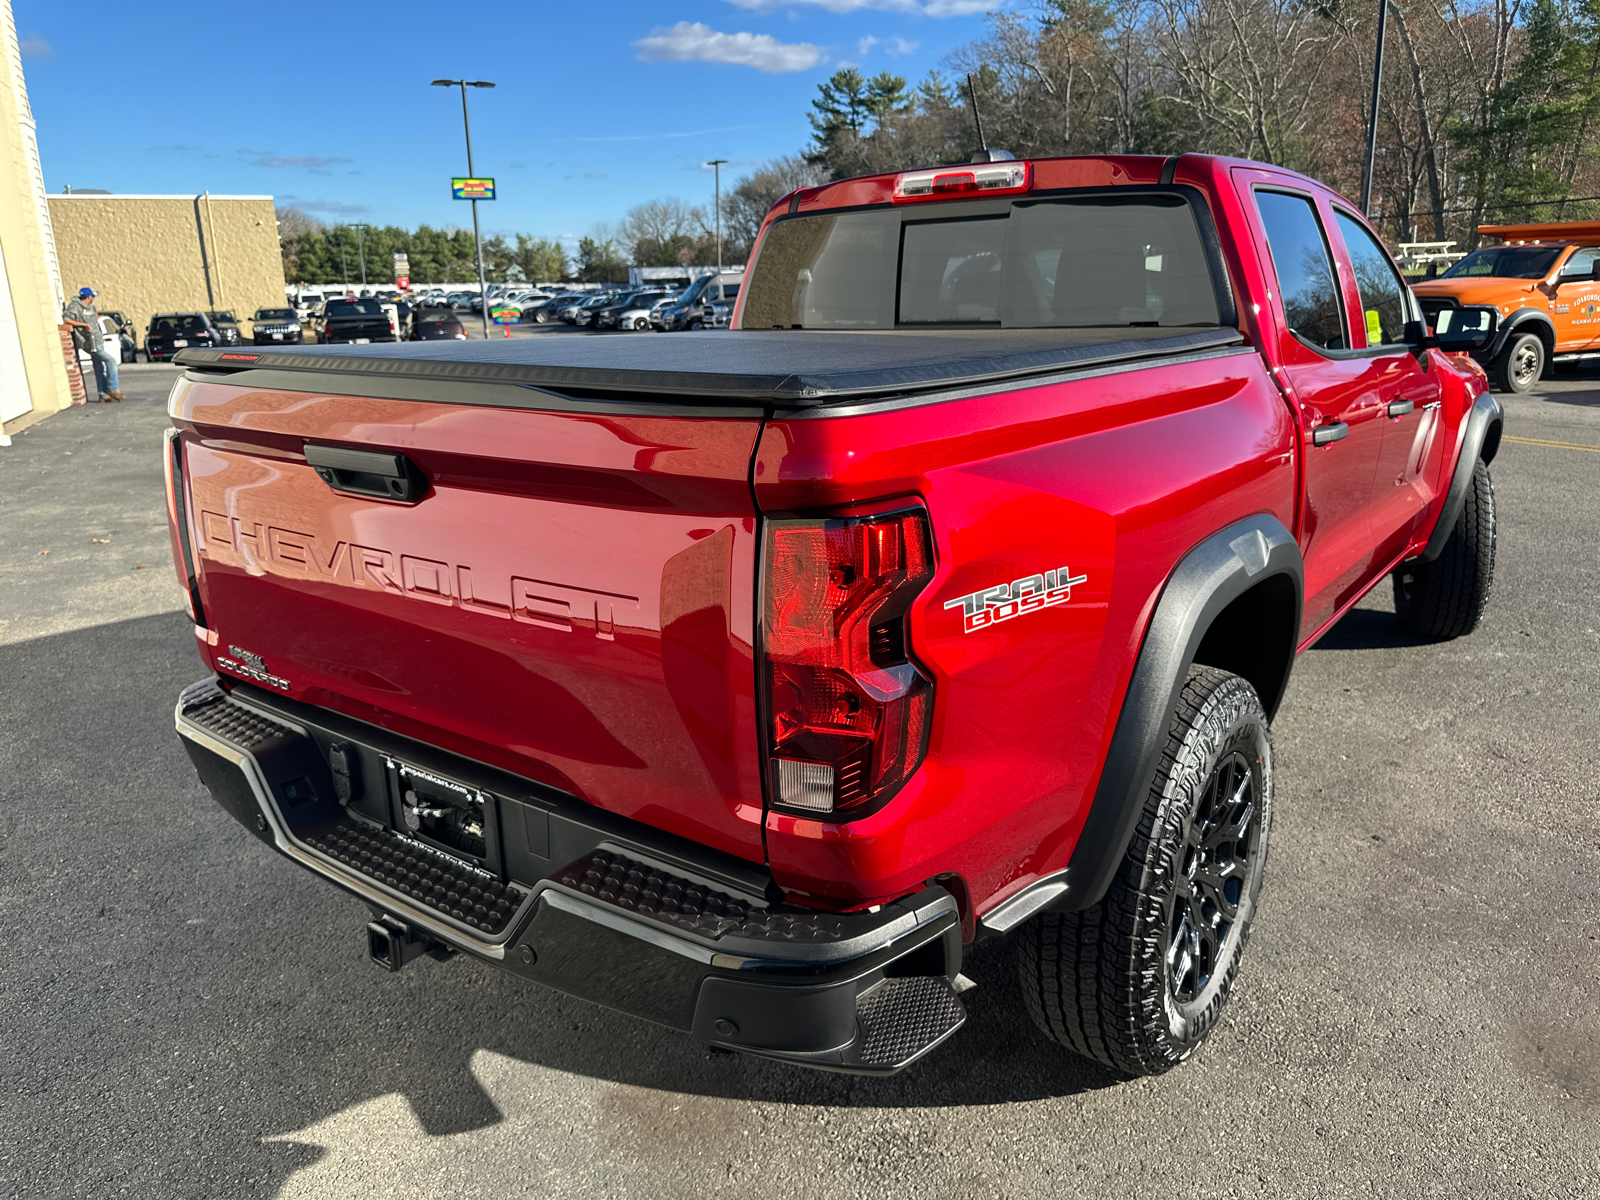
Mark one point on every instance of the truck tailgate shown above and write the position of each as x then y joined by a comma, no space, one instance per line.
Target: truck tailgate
570,598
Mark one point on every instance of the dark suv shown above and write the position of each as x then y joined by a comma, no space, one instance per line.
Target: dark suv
171,332
272,326
227,327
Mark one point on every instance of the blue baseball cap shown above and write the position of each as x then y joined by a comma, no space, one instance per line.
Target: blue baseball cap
85,292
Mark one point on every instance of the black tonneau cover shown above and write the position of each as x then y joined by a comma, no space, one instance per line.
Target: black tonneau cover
780,367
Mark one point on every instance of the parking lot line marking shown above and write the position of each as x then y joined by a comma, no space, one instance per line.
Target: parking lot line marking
1556,445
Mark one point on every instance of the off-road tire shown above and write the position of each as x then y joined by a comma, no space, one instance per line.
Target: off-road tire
1104,982
1520,365
1445,598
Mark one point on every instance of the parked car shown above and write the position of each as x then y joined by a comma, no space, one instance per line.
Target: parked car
170,332
359,321
227,327
437,324
835,647
1545,277
127,341
462,301
605,316
272,326
639,314
110,341
543,312
691,311
584,313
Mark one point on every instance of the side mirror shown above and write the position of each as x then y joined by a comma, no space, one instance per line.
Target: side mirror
1466,330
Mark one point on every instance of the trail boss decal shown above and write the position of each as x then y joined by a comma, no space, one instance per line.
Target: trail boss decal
979,610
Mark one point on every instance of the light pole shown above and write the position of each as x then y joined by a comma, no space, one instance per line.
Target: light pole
716,166
477,239
361,249
1372,121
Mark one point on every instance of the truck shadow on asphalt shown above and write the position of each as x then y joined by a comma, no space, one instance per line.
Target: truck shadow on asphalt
1368,629
201,974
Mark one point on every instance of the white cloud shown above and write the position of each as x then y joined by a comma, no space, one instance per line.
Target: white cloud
897,46
692,41
918,8
335,208
306,162
865,44
33,46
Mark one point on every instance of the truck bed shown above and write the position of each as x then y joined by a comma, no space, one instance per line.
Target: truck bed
783,368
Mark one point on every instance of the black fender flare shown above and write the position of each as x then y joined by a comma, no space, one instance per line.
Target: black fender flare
1518,323
1481,439
1206,580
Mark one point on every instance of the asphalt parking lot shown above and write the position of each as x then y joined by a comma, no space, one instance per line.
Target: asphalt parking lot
184,1014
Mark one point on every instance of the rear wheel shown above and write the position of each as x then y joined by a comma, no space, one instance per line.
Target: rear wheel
1445,598
1138,981
1520,365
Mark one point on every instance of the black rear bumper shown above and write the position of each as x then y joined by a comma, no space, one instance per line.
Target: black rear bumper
582,901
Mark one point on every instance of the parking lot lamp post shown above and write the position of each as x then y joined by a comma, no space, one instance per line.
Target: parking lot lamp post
477,238
361,250
716,166
344,267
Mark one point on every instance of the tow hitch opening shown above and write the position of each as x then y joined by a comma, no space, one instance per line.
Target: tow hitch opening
391,944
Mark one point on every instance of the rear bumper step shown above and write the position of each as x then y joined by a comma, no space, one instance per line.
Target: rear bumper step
609,911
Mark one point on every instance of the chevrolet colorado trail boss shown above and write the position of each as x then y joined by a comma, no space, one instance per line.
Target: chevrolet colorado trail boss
738,681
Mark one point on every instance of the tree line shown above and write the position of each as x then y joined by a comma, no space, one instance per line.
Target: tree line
1489,110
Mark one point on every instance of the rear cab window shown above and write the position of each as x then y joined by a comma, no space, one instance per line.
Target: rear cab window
1046,261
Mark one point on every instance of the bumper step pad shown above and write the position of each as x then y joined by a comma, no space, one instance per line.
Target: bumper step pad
902,1019
429,879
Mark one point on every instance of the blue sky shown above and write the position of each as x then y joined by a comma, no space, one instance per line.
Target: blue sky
598,105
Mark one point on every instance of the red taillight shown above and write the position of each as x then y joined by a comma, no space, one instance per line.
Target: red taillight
848,711
980,179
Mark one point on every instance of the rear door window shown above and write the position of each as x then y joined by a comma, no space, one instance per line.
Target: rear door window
1383,304
1303,267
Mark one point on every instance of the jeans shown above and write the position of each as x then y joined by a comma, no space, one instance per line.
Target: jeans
105,369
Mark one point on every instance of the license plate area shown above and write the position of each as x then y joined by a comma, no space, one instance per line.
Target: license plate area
442,813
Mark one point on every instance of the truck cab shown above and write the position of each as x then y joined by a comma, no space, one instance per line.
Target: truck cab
1543,281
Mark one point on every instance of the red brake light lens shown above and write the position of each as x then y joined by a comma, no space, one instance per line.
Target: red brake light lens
848,711
980,179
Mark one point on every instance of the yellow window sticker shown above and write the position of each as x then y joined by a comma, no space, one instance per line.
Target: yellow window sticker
1374,328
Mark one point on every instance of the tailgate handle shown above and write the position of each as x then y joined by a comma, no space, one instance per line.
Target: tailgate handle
377,473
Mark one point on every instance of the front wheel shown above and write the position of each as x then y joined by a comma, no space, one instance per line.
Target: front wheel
1137,981
1445,598
1520,365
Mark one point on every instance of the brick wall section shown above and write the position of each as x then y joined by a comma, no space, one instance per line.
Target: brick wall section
70,355
150,254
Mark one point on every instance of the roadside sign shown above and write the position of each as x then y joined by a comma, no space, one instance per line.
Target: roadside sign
505,316
402,266
472,189
402,282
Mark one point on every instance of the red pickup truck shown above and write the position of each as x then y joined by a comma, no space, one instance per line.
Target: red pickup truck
739,680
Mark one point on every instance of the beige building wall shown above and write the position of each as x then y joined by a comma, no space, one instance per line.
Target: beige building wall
33,371
153,254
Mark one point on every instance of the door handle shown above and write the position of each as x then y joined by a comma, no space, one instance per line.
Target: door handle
380,474
1326,435
1432,404
1399,408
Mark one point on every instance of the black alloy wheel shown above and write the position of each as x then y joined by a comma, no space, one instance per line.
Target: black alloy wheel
1204,906
1138,980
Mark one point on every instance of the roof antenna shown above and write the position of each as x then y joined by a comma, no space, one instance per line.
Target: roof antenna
977,116
985,154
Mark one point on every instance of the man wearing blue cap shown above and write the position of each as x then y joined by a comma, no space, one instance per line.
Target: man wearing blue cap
85,321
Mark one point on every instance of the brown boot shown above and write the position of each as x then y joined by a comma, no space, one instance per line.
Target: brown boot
112,397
